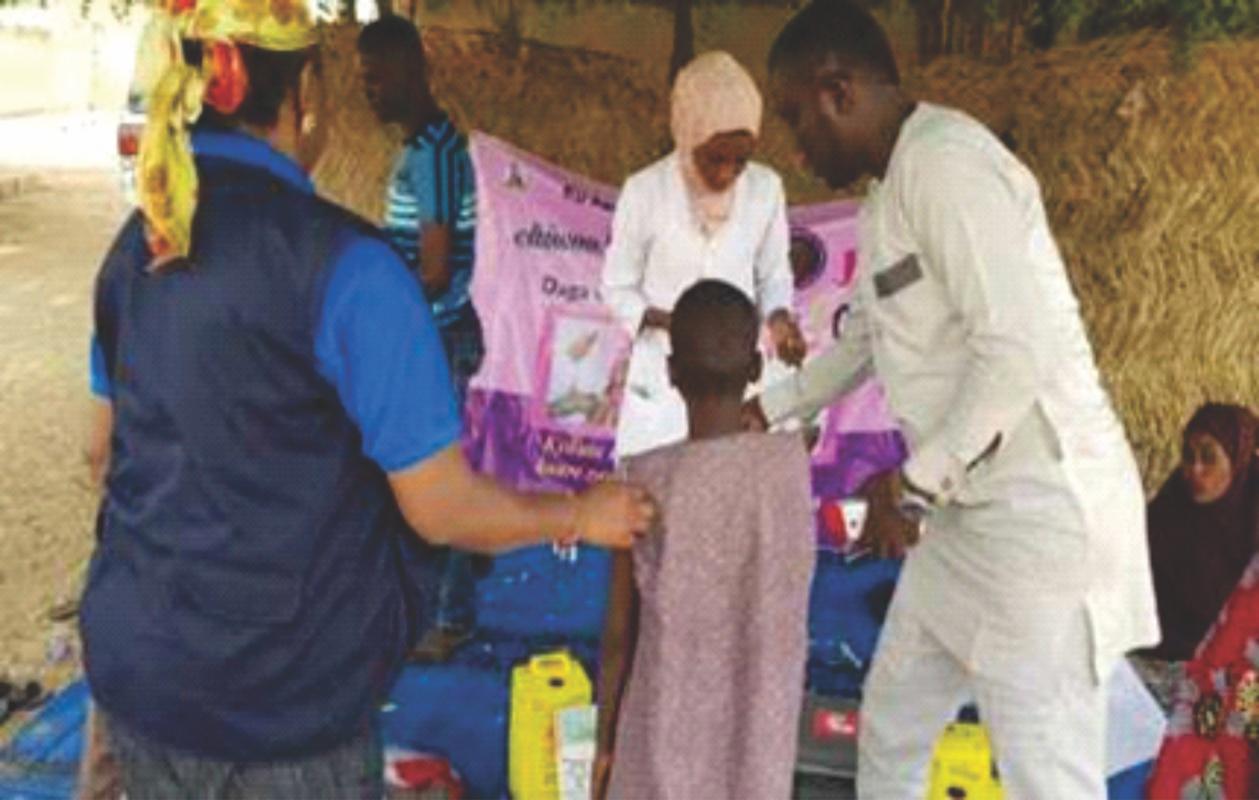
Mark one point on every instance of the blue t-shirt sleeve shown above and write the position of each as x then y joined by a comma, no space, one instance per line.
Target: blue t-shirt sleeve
377,344
98,375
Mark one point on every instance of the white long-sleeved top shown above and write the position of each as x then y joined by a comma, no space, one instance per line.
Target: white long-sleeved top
965,312
658,251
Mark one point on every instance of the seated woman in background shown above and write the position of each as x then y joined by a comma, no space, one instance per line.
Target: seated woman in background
1203,528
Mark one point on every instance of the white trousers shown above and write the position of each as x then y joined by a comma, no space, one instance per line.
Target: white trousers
1044,710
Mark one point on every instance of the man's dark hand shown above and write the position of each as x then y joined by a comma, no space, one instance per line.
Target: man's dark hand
436,243
656,318
789,343
887,531
602,775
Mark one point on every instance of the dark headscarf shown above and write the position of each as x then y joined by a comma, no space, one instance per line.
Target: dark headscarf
1200,550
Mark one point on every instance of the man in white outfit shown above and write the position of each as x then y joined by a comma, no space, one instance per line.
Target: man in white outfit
1027,577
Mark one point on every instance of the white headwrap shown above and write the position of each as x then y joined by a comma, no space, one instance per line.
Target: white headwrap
713,94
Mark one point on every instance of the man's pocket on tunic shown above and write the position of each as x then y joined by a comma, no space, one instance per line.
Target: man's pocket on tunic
900,275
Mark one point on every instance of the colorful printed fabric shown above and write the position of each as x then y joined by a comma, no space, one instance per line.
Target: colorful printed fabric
1213,735
167,184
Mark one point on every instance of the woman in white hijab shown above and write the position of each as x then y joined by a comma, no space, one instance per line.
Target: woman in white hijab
702,212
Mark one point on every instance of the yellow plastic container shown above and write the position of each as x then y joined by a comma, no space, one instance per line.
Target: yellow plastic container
963,766
539,688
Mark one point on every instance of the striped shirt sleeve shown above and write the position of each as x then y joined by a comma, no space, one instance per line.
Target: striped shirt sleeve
452,170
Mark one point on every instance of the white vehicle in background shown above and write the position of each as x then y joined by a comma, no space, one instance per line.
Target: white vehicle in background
154,51
130,128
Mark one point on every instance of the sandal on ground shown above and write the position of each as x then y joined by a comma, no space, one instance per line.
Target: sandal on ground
22,697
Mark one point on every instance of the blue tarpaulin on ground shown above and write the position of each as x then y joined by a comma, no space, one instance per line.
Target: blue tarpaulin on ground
41,761
459,710
847,606
532,593
531,602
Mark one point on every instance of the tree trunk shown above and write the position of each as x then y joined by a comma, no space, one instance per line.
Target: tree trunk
1012,29
683,37
929,16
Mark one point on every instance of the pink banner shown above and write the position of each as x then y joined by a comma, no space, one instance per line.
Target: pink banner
543,407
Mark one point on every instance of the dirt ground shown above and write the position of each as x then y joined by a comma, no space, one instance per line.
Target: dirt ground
51,241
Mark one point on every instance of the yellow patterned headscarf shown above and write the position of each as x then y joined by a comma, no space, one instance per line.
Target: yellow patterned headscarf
167,176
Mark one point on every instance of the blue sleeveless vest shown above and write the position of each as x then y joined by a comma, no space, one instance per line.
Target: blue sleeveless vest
245,601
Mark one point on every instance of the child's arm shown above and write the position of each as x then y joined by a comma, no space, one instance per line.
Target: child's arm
620,636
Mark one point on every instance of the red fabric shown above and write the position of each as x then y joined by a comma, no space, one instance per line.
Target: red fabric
1213,737
1184,760
429,773
1238,626
229,82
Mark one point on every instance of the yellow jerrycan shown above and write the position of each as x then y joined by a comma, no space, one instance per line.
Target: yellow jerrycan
539,688
963,767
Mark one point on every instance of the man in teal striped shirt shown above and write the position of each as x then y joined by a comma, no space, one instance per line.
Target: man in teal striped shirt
430,216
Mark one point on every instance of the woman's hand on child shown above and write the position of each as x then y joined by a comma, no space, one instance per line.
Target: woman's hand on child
613,514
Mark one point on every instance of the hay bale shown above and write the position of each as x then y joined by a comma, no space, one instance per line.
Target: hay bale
1150,180
594,113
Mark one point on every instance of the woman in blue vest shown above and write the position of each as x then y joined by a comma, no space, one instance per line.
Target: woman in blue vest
283,425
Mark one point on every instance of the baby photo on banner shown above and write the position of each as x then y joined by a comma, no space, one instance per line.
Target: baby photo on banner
581,372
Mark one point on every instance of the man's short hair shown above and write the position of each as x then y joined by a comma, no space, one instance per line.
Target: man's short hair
839,28
391,35
713,333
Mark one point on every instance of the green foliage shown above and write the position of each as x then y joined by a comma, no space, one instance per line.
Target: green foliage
1048,19
972,26
1211,18
961,25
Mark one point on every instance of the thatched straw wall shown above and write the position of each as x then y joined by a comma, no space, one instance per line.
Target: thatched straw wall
592,112
1150,176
